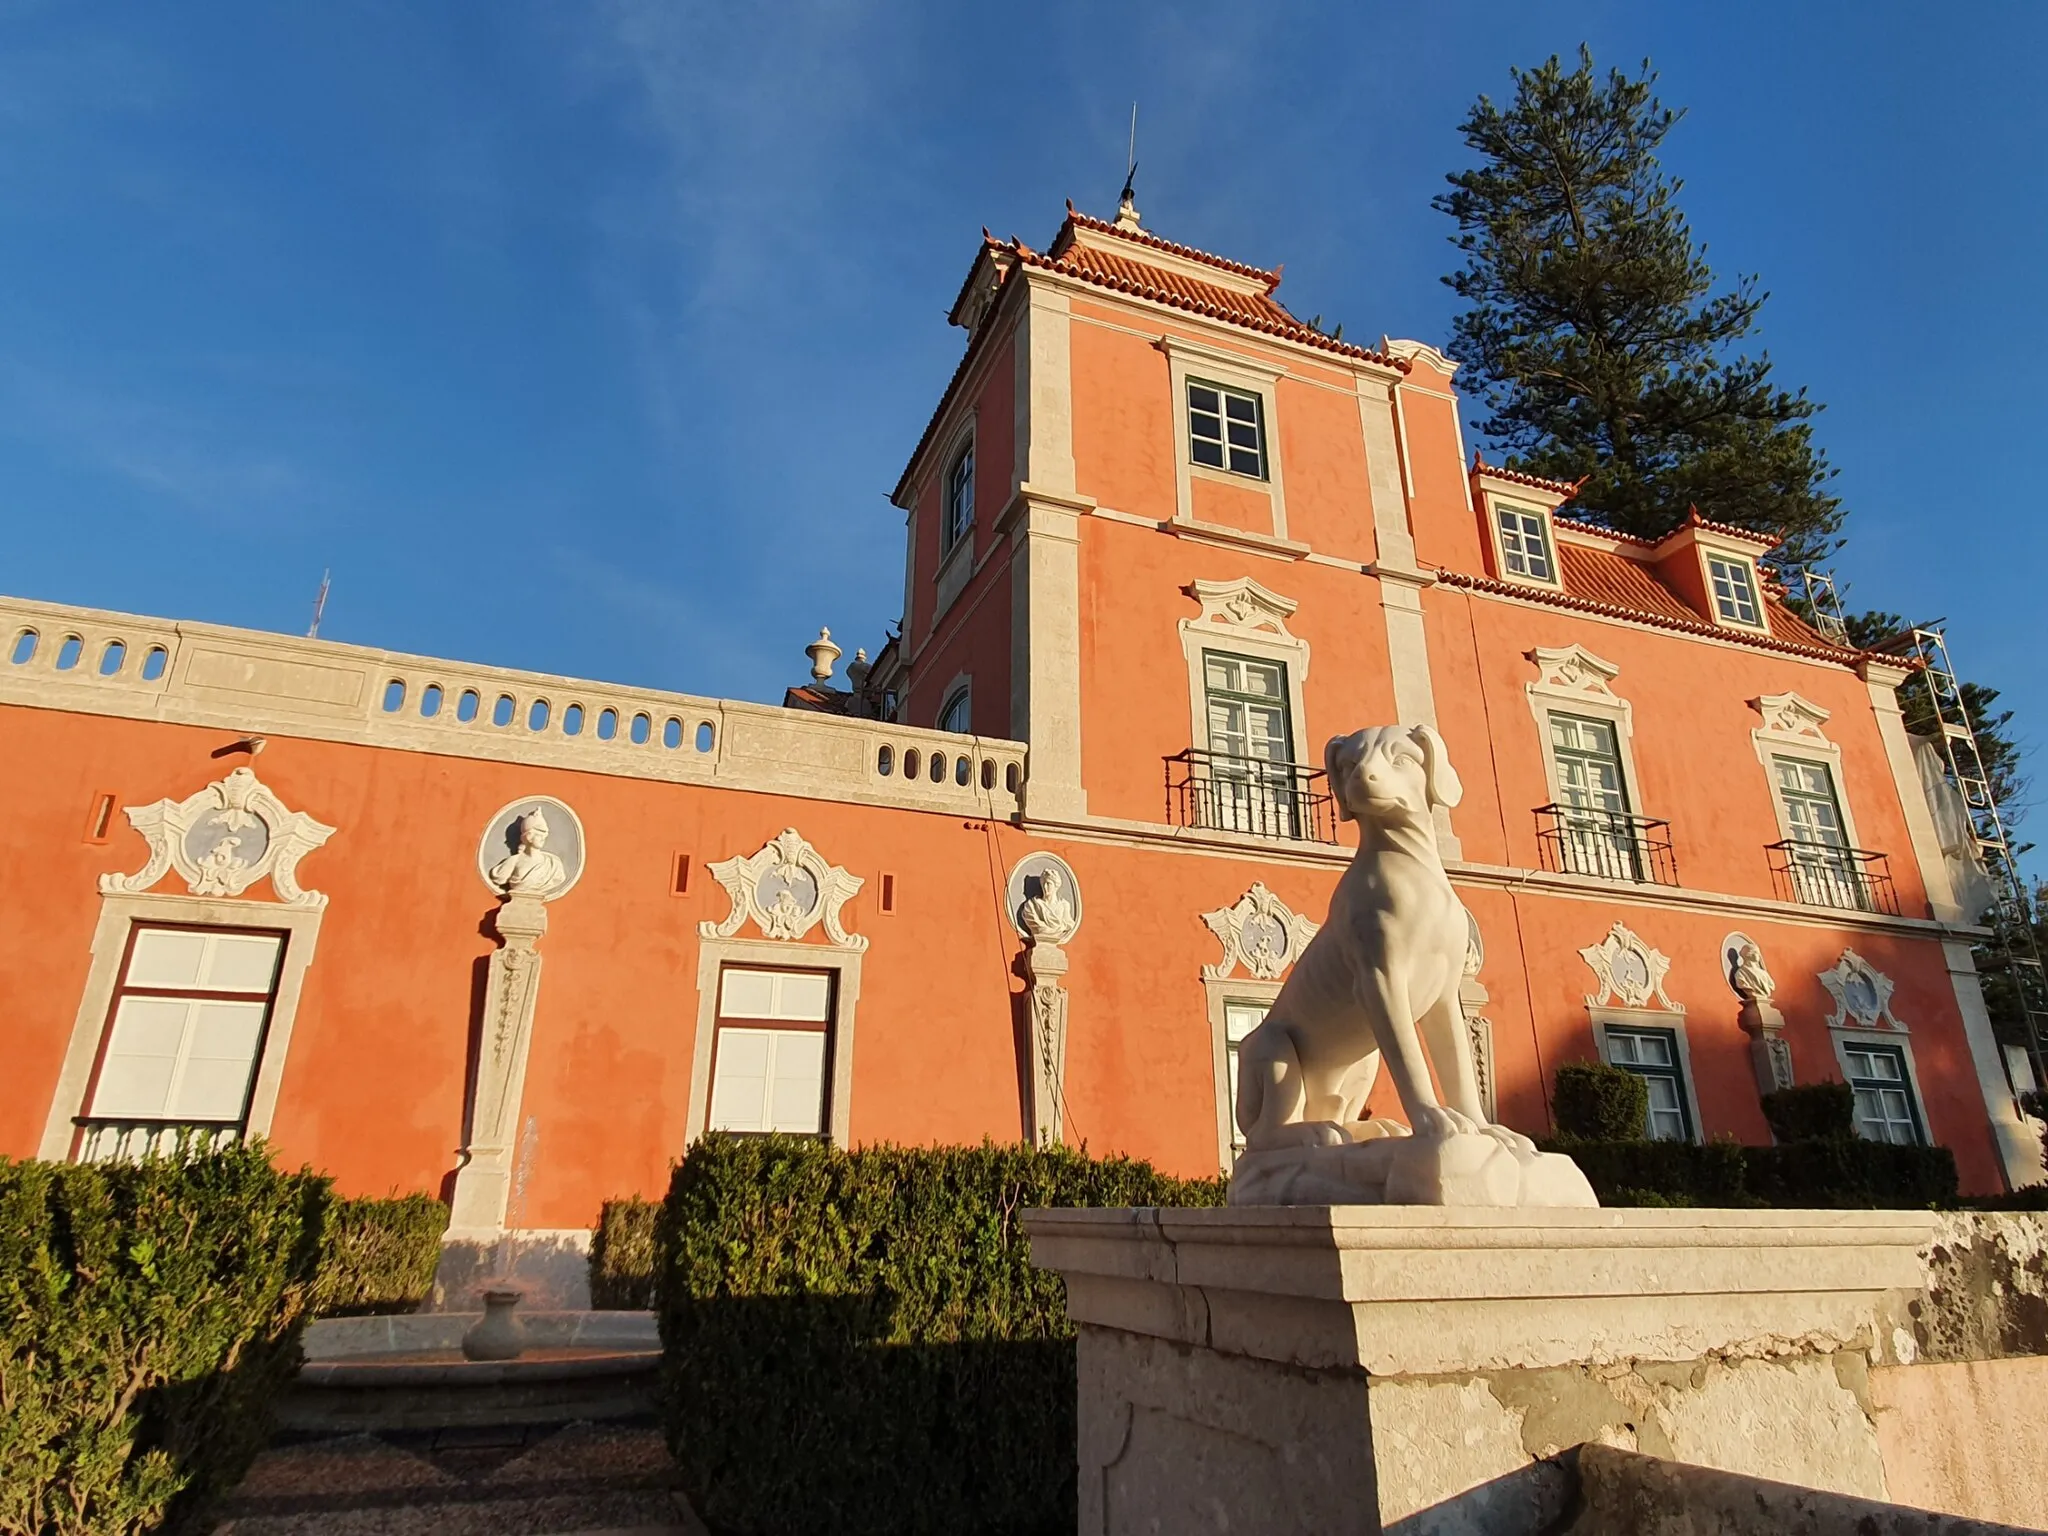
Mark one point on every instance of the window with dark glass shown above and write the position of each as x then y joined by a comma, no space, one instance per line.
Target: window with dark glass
1734,591
1652,1054
1226,429
1885,1110
957,713
1598,838
959,500
1525,544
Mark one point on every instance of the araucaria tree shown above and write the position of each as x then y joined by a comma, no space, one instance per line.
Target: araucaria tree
1593,336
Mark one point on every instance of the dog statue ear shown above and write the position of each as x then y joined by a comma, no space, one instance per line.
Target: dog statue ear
1339,753
1442,779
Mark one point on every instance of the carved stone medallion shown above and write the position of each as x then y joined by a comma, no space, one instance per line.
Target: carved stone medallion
532,847
1862,994
1259,931
223,840
1628,970
787,889
1043,899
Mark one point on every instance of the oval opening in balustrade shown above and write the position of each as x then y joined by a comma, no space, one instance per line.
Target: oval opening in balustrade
503,711
642,728
430,700
885,761
112,657
963,770
910,761
1010,777
24,648
607,724
69,652
572,720
467,706
672,734
537,716
394,696
706,737
938,767
154,660
988,773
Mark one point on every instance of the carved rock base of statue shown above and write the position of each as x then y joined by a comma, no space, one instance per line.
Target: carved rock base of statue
1770,1054
1047,964
1469,1169
483,1184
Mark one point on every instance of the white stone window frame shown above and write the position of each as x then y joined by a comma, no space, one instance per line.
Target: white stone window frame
1221,994
1541,508
714,955
1191,360
1571,680
1791,728
956,559
119,915
1747,567
1243,618
1671,1022
1845,1036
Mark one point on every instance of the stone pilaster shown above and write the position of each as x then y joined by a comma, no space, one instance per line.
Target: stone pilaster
483,1183
1046,965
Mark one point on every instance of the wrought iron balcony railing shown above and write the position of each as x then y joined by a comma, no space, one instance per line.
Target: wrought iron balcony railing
1615,845
1822,875
1249,794
102,1140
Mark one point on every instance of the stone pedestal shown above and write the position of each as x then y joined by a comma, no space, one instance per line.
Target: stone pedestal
1047,966
1342,1369
1770,1054
483,1183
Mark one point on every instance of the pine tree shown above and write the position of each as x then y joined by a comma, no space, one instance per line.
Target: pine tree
1593,336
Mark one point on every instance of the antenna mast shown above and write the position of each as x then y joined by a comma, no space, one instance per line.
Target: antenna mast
319,607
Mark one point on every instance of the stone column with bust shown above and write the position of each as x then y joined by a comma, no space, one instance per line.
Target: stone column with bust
517,863
1047,915
1770,1054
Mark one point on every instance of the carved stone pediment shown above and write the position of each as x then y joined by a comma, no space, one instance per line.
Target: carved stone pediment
786,889
1260,932
223,840
1574,669
1862,994
1628,970
1790,716
1242,604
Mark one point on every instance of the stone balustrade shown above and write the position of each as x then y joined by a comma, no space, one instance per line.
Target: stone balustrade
250,682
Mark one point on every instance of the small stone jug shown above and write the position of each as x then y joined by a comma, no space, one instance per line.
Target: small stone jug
499,1335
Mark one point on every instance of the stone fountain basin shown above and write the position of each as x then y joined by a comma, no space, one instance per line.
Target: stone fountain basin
372,1373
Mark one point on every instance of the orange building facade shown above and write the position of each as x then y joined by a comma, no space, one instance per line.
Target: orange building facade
518,938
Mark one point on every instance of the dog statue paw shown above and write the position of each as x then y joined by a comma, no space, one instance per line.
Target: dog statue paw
1466,1168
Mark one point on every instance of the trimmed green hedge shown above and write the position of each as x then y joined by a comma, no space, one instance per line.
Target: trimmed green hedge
379,1255
1592,1101
1643,1172
149,1316
1801,1175
1812,1112
856,1342
622,1255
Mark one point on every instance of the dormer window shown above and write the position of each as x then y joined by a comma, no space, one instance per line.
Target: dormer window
959,500
1525,544
1226,429
1734,585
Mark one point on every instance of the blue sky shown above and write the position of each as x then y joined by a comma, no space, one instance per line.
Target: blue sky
592,338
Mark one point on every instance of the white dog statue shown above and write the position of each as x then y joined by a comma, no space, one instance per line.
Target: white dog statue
1381,978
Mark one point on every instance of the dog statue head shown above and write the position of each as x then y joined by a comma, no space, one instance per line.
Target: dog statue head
1391,773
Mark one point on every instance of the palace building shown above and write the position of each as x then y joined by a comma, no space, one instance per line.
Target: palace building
1034,868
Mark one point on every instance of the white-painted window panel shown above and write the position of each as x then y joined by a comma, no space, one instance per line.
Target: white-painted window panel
769,1080
180,958
799,996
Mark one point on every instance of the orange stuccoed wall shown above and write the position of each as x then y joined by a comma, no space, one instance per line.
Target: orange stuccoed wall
374,1087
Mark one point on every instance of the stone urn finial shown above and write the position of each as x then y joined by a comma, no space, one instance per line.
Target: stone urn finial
824,655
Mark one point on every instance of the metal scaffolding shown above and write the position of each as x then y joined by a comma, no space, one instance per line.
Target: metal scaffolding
2013,952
